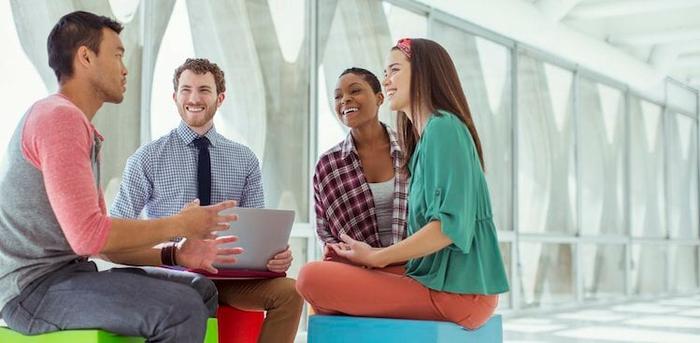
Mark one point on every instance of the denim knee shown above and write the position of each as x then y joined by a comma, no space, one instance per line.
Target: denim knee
208,293
186,319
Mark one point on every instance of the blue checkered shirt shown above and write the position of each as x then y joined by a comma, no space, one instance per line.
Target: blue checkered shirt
161,176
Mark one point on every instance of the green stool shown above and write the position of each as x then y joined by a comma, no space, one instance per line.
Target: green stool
91,336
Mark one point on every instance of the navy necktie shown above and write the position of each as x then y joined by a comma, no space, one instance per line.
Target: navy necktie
203,171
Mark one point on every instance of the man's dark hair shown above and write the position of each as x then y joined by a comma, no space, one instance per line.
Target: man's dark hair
72,31
201,66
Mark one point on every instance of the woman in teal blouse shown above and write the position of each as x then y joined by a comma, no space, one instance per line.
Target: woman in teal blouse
453,267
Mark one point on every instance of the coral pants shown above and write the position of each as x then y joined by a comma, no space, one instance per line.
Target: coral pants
339,288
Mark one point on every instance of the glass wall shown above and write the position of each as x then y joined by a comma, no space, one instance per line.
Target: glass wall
682,169
546,170
16,67
649,268
601,133
546,274
647,162
684,268
603,271
505,301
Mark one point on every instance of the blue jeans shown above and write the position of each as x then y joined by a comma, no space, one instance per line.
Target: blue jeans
158,304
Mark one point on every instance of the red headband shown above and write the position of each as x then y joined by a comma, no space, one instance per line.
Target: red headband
404,44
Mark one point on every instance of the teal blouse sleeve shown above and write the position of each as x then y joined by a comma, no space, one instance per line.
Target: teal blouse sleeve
451,172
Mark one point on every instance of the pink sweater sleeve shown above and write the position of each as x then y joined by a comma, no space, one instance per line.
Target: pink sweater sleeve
58,141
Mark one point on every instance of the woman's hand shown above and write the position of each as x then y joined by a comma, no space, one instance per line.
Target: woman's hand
330,255
357,252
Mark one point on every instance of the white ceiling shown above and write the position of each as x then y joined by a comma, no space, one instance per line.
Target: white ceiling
662,33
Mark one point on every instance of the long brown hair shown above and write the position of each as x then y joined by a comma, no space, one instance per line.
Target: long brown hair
434,86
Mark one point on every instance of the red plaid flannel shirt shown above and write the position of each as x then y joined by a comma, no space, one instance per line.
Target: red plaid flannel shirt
343,199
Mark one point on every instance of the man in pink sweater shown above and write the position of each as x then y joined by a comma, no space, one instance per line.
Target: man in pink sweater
53,216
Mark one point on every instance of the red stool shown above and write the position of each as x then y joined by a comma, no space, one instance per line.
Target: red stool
238,326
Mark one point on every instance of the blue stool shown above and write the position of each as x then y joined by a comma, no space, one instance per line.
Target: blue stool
339,329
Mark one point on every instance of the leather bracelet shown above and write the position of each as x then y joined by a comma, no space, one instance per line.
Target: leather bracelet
174,254
164,258
167,255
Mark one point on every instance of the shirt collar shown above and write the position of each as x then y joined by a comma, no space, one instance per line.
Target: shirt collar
98,135
188,135
394,142
348,145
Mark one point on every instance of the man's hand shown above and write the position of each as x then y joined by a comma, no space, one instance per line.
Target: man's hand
281,262
200,221
196,253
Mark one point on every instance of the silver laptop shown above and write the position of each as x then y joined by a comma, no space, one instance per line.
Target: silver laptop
261,232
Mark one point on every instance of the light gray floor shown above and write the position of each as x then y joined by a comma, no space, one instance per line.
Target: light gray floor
667,320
